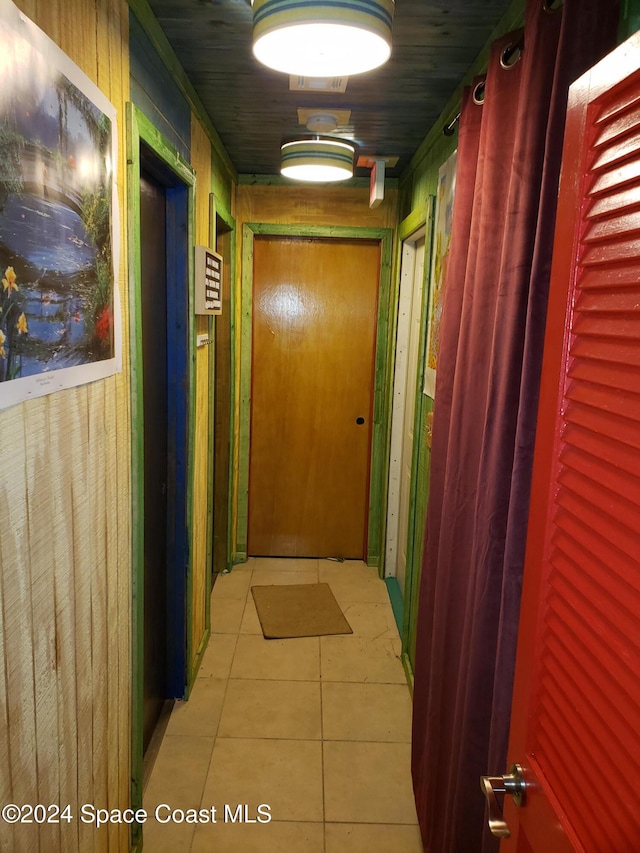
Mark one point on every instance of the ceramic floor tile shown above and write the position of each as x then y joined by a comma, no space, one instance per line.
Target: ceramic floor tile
232,585
367,712
250,623
200,715
179,772
372,838
271,709
248,566
283,774
353,581
259,838
297,659
226,615
368,783
359,660
372,620
283,564
168,837
271,577
269,719
216,661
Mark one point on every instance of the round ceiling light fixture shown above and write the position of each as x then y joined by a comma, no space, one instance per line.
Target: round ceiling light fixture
311,38
317,160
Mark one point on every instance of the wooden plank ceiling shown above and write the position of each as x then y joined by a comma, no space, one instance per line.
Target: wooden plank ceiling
392,108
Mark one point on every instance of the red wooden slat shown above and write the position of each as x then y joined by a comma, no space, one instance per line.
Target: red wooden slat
612,227
625,122
592,437
606,399
616,352
623,149
598,471
615,178
626,199
624,99
617,276
604,373
621,568
621,251
610,300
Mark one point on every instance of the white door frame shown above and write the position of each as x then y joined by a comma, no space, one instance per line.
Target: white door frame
401,386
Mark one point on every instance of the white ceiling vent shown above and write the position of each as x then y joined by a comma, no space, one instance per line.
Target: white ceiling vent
330,85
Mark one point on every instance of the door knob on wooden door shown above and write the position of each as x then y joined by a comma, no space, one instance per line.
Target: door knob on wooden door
512,783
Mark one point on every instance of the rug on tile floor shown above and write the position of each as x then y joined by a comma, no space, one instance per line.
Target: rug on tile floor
298,610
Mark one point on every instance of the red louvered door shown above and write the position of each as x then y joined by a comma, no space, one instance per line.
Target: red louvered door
576,721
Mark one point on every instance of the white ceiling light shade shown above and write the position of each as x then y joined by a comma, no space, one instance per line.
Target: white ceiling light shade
313,38
317,160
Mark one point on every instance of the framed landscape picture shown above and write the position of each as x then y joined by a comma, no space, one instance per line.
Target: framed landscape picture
59,235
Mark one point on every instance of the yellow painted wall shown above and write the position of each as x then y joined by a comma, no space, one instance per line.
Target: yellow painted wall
201,161
65,564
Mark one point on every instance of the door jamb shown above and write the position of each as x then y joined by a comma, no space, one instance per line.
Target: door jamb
140,129
378,461
407,250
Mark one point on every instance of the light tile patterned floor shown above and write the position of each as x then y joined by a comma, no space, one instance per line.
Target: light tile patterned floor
318,729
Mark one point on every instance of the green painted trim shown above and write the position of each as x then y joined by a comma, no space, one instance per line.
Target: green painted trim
629,19
381,409
511,19
211,240
149,22
422,404
280,181
239,557
408,671
137,463
139,128
230,222
395,597
192,669
378,480
244,407
416,219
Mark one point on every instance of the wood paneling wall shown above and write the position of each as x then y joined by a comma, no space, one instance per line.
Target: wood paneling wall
295,205
201,162
65,556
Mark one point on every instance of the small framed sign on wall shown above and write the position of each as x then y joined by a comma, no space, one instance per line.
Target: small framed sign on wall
208,284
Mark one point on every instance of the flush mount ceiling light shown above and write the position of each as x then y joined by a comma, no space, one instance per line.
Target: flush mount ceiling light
322,39
317,160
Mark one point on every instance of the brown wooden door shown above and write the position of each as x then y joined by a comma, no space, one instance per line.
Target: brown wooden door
314,329
576,713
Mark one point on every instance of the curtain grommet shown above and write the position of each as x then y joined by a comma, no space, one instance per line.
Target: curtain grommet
478,93
512,54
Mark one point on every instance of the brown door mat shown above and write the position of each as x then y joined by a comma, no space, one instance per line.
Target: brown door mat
298,610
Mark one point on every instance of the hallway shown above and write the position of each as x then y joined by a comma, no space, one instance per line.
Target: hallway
318,729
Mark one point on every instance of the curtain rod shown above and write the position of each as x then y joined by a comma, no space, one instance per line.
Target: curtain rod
508,54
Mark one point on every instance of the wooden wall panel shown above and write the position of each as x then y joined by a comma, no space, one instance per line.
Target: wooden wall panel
65,552
201,162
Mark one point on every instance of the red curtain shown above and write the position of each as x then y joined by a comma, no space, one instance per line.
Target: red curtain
484,417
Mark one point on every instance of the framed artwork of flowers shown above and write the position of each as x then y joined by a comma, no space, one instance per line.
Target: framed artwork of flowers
59,310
